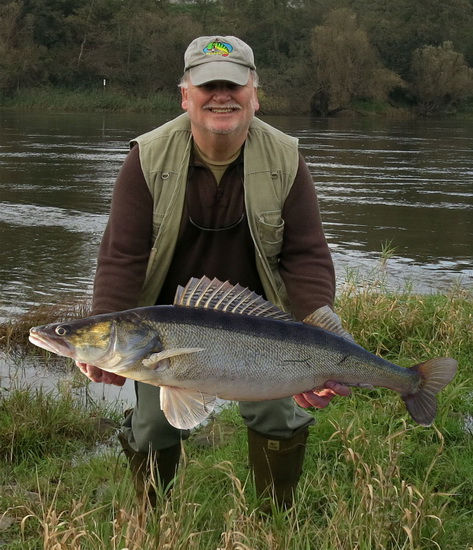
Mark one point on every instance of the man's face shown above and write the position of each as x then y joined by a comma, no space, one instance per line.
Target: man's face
220,107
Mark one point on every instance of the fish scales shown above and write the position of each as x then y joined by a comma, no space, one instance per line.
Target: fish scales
223,340
269,358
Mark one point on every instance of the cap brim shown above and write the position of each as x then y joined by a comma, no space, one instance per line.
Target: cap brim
210,72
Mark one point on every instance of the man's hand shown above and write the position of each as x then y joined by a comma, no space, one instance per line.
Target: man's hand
321,397
98,375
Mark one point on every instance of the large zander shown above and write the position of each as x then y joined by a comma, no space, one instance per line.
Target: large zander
219,340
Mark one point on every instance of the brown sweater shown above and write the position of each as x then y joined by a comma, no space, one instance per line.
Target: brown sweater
214,240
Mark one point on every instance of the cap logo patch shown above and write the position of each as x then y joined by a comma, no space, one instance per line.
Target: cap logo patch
218,48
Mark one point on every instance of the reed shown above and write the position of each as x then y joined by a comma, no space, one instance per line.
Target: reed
14,332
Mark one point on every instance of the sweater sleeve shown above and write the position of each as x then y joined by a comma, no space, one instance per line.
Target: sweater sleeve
126,243
306,264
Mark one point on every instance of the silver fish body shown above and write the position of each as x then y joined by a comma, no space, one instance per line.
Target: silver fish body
254,359
199,350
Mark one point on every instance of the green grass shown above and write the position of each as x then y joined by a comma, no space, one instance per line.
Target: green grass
372,479
57,99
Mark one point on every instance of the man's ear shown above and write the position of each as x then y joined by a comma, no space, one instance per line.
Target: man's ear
255,100
184,98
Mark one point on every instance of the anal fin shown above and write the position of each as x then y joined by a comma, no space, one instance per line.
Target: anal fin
185,409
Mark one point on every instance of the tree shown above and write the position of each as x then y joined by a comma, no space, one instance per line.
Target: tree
21,60
396,29
346,66
441,79
142,49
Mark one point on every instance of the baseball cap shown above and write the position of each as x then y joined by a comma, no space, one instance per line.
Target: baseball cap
211,58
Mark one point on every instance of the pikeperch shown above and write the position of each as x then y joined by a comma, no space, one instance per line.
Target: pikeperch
219,340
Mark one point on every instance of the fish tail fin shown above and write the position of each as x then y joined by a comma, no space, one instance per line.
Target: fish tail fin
435,374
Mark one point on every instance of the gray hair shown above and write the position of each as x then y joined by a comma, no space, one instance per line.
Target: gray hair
184,82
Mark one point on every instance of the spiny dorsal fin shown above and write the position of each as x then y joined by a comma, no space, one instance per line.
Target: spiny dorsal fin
327,319
213,294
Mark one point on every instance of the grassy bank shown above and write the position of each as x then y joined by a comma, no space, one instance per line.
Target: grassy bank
62,100
53,99
372,479
110,100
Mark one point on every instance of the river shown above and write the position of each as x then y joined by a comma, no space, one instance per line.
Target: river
402,184
407,183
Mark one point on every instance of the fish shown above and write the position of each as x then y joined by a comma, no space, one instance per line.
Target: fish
219,340
221,48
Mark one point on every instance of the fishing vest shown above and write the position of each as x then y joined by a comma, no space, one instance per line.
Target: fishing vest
271,161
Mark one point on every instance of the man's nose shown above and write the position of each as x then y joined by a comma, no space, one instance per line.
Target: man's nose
222,90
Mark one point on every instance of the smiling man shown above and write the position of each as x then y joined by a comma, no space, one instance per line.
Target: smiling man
219,91
220,193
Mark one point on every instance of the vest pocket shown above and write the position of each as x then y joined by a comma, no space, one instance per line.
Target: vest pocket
271,232
157,222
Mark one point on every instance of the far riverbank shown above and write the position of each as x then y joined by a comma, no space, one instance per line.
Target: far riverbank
64,100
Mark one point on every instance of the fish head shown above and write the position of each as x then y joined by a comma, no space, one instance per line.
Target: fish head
112,342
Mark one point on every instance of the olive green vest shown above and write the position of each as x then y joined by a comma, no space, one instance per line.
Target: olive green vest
271,161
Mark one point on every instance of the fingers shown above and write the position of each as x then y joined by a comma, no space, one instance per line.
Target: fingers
320,398
98,375
111,378
339,389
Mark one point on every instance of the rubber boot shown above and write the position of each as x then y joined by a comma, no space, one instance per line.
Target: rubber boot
277,466
151,470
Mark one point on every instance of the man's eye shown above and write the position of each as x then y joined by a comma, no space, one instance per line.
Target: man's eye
212,86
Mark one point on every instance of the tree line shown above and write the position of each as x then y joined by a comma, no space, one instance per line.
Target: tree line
317,55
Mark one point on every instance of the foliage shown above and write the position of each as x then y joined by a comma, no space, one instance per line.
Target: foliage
441,79
346,66
348,49
20,56
398,28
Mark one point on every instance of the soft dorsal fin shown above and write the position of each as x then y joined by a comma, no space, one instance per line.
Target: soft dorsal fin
327,319
213,294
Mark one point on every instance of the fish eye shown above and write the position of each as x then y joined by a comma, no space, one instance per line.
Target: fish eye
62,330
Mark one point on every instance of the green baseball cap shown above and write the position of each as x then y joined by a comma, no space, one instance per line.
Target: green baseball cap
210,58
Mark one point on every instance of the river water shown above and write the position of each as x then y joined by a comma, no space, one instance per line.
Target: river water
407,185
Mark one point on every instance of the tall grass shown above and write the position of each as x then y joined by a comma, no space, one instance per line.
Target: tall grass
14,332
356,493
404,325
372,479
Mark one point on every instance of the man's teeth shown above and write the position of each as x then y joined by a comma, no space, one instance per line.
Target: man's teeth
222,110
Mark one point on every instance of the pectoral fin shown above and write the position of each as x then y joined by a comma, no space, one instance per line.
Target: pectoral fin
185,409
166,354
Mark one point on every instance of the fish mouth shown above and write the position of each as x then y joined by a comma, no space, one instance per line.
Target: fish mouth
59,347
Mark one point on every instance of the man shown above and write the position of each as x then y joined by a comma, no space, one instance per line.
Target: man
216,192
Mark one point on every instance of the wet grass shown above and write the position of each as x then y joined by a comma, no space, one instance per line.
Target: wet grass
372,479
